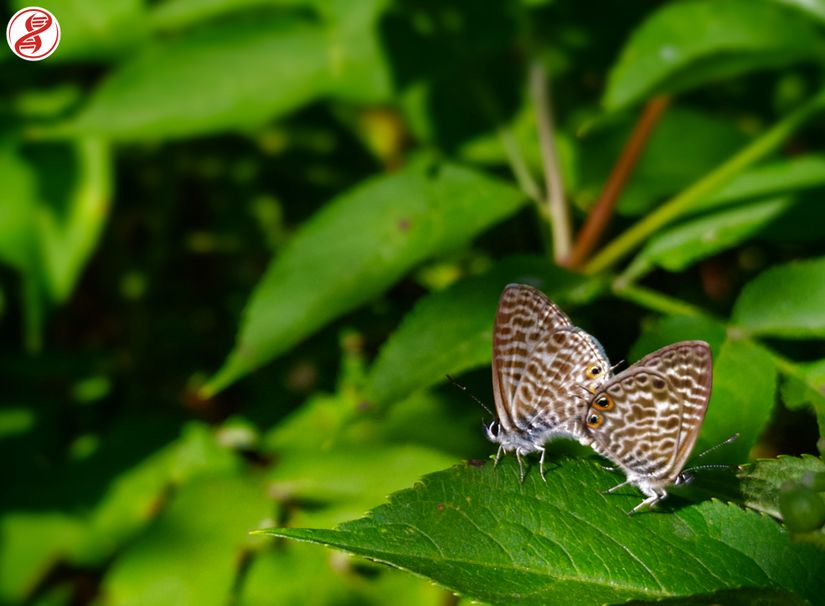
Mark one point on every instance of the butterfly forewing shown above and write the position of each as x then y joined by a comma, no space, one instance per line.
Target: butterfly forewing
544,370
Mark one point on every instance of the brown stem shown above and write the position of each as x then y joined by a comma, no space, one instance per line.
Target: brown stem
599,217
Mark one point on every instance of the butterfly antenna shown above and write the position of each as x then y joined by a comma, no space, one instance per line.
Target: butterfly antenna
469,393
616,365
730,439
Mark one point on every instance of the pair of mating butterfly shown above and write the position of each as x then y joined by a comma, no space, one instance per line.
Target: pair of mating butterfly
552,379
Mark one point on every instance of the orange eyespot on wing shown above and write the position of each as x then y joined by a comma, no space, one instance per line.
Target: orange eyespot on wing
603,402
594,420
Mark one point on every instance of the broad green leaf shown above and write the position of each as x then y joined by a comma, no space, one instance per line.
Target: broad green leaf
477,531
688,44
686,145
784,301
29,543
284,574
679,247
345,481
99,30
192,552
813,8
669,329
445,420
450,331
235,75
356,247
762,481
179,14
768,180
744,379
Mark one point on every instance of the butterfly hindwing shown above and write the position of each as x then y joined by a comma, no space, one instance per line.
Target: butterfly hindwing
647,418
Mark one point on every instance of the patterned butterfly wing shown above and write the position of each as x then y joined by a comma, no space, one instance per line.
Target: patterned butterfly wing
647,419
540,369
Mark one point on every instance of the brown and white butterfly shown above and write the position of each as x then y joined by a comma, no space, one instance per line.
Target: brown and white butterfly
647,418
544,372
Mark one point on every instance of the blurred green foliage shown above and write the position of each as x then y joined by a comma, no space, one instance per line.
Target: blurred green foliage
241,244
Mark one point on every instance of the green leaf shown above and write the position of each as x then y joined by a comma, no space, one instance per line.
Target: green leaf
357,246
761,482
688,44
679,247
345,481
479,532
238,74
190,555
814,9
450,331
31,542
784,301
767,180
669,329
99,30
744,379
284,574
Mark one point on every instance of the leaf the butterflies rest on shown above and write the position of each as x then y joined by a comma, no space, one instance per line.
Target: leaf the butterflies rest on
476,530
687,44
784,301
357,246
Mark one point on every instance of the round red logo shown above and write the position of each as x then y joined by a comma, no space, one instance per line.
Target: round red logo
33,33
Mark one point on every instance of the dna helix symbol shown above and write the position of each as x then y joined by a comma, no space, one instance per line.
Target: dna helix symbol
36,24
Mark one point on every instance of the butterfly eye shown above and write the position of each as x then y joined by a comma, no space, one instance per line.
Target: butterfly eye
593,371
594,420
603,402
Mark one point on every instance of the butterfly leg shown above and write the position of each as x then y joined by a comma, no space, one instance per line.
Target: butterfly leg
653,497
498,455
541,465
616,487
520,465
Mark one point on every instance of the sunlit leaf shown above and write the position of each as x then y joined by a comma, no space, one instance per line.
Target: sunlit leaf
767,180
688,44
679,247
237,75
191,554
98,30
784,301
479,532
744,379
357,246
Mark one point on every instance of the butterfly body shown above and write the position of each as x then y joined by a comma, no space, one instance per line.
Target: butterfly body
544,372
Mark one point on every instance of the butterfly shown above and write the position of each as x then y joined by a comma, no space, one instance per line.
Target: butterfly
541,364
646,419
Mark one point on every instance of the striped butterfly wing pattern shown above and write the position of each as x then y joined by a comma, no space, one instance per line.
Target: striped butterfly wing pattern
647,419
544,372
